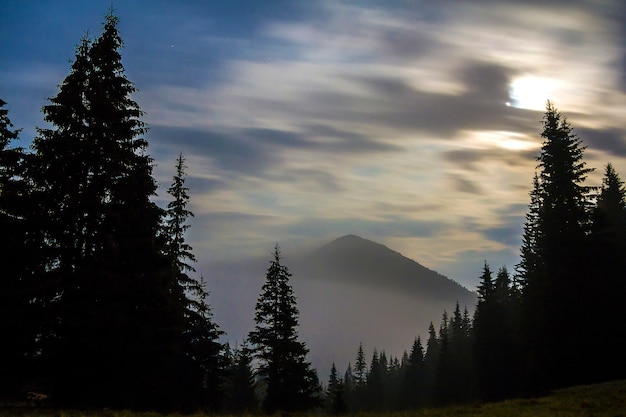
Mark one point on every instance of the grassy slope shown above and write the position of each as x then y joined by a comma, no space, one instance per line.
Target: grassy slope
601,400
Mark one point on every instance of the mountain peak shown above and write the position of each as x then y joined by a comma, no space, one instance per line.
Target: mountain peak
349,240
352,258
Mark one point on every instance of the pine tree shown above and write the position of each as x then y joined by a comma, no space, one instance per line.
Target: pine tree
530,265
461,356
555,252
335,394
375,382
200,383
348,383
413,383
431,360
494,330
114,314
292,384
360,368
608,246
16,310
239,396
392,385
358,398
444,371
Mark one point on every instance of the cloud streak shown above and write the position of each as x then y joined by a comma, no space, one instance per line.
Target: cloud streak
388,120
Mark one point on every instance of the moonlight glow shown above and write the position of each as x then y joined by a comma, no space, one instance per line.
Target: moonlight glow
530,92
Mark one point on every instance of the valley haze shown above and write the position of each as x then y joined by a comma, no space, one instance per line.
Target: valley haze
349,291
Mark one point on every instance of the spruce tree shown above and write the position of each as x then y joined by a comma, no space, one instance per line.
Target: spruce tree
444,371
431,359
608,247
375,382
114,314
238,390
494,329
461,386
554,259
359,392
335,393
16,290
348,383
291,383
360,367
412,389
199,383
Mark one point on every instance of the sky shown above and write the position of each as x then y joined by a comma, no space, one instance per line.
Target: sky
412,123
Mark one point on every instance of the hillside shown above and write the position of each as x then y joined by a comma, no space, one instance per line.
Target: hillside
600,400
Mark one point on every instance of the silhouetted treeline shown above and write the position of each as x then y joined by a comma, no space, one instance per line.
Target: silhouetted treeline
97,307
556,322
100,305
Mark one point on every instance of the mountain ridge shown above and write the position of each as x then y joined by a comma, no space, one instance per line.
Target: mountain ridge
370,261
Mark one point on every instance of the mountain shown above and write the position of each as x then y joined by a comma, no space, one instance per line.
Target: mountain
349,291
363,262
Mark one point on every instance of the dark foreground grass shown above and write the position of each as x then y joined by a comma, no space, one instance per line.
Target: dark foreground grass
600,400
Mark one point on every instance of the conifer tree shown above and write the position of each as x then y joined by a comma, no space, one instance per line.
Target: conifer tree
348,383
444,373
494,330
555,252
114,313
16,309
459,331
200,382
335,394
360,367
413,383
292,384
608,247
530,265
431,360
239,396
375,382
358,397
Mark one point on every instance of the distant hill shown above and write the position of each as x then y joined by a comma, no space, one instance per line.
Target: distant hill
350,290
363,262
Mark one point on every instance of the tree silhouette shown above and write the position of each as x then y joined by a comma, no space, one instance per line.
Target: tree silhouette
431,359
113,312
335,393
358,397
554,267
460,335
608,246
414,377
291,383
375,382
239,396
17,324
199,383
494,330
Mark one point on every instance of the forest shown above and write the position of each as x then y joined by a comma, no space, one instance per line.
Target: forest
100,305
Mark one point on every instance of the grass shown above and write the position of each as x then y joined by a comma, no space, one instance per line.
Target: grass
600,400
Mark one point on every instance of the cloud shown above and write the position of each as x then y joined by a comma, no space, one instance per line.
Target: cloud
465,185
612,141
385,119
508,235
393,226
473,159
366,106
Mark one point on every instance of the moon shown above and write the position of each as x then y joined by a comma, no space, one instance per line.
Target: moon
530,92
